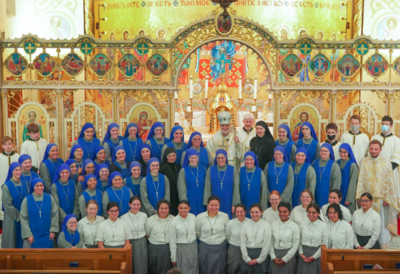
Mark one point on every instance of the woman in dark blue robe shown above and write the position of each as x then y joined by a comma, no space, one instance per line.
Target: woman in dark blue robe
118,193
74,170
27,173
14,191
65,193
119,162
156,139
132,143
304,176
349,168
279,175
308,139
100,157
88,168
91,193
328,174
177,141
253,184
133,181
285,140
222,180
88,141
191,181
196,142
77,155
49,165
102,177
69,236
111,140
39,217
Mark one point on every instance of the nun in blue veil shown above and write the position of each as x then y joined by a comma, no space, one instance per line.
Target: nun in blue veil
27,171
14,191
191,181
49,165
88,168
69,236
88,141
285,140
111,140
304,176
116,192
349,169
253,184
177,141
132,143
205,157
328,174
156,139
308,139
100,157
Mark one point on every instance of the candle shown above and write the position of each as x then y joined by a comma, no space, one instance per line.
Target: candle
270,95
206,89
253,108
191,87
255,88
189,108
240,88
176,94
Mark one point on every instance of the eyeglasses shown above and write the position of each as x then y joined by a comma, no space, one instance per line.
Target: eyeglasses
365,201
114,211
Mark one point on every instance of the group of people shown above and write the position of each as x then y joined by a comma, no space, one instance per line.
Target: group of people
244,203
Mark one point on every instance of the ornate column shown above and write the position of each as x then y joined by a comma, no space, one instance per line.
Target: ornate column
277,103
332,106
171,109
389,103
115,109
60,105
3,112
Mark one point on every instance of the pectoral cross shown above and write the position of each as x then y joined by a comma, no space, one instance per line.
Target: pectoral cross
120,203
157,194
249,186
212,231
221,184
40,214
277,180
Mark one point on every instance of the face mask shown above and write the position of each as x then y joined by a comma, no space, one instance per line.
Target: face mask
331,137
354,128
385,128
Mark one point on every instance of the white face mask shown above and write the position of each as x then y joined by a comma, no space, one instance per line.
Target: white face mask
385,128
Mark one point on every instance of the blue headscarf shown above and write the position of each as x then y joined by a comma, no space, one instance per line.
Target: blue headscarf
175,129
196,133
108,134
74,148
287,129
312,131
76,239
97,150
153,127
135,164
85,127
69,162
144,145
151,160
35,181
329,147
89,176
252,155
48,148
23,158
189,152
303,150
85,163
131,125
281,149
116,149
11,170
112,176
347,147
220,151
59,169
100,167
66,219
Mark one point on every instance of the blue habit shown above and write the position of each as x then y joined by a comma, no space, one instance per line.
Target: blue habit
277,182
113,145
52,167
98,198
155,190
132,149
40,228
195,190
100,186
135,188
121,197
89,147
345,179
66,196
311,149
300,182
323,182
124,171
29,178
225,190
250,187
156,148
288,150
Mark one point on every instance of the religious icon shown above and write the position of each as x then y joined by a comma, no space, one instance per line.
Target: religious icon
144,117
16,64
319,65
348,66
125,34
100,64
320,35
291,65
112,36
376,65
396,65
141,31
161,33
72,64
129,65
224,24
44,64
302,113
157,65
387,29
59,28
302,32
28,115
283,33
333,36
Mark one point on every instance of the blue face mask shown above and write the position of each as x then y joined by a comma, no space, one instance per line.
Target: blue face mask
385,128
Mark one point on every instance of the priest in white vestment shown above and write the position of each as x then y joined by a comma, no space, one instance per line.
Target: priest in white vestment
225,139
245,134
376,178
